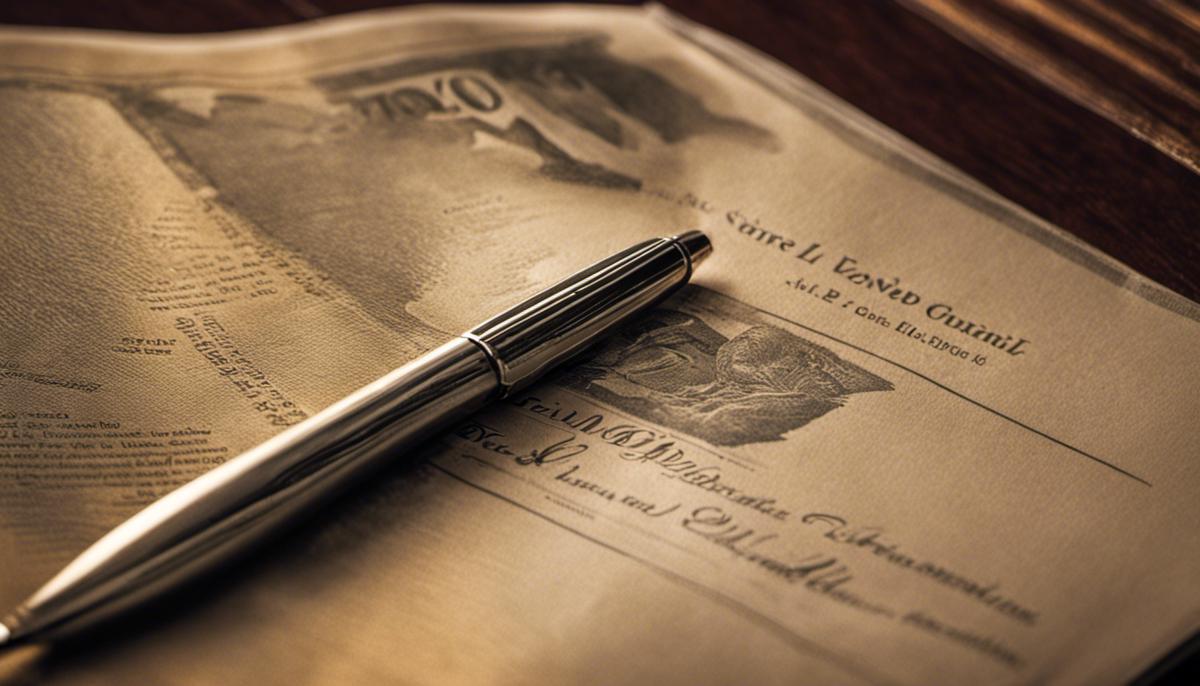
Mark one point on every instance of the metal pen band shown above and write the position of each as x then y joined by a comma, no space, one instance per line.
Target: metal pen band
559,322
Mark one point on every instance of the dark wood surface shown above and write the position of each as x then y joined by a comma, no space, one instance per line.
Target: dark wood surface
1016,133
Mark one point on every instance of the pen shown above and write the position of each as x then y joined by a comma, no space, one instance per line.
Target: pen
222,512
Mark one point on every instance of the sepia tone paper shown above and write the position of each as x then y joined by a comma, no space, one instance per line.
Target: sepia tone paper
898,431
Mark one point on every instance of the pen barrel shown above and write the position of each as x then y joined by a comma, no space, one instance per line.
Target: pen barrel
225,511
230,508
562,320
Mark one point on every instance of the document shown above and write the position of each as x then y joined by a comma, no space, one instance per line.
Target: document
897,431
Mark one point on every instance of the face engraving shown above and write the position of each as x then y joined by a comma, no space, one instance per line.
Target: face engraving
672,368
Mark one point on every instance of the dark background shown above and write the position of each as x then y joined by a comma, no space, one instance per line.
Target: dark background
994,121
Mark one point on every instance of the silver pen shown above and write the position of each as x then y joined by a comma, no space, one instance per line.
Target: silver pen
222,512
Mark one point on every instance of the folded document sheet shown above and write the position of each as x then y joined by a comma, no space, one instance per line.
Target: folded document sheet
899,431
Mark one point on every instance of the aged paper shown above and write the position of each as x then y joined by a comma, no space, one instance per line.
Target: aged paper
898,431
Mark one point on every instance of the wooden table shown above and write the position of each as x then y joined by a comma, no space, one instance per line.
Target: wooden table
1084,112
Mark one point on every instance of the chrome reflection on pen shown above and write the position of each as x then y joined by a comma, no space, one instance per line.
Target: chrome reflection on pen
221,513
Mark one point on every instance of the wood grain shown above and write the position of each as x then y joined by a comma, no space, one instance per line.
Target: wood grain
1134,66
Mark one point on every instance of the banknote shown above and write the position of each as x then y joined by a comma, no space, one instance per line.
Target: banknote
898,430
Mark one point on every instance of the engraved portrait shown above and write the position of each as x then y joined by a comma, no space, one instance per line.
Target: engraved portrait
673,368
